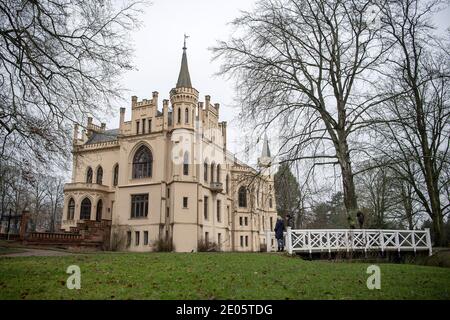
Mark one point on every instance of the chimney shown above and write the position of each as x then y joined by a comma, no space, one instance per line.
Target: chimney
133,101
89,122
207,101
224,134
200,111
216,105
155,98
122,117
103,126
165,114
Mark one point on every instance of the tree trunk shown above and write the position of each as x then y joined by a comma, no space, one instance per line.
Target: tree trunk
348,185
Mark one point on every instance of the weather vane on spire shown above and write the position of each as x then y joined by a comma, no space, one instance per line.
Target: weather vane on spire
185,37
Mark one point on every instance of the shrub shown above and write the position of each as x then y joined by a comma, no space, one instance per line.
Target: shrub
207,246
163,245
117,240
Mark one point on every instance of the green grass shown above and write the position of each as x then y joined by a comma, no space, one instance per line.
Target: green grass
213,276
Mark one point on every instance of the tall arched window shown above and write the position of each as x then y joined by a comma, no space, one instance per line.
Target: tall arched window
99,212
242,197
71,209
227,184
213,166
85,210
186,115
116,175
142,163
99,175
205,170
186,164
89,175
218,173
179,115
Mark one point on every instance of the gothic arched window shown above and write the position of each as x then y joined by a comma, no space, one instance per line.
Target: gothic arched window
212,171
242,197
186,115
71,209
179,115
85,210
218,173
116,175
89,175
142,163
99,175
186,164
205,170
98,215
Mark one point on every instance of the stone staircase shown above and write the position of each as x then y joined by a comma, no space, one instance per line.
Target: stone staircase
87,234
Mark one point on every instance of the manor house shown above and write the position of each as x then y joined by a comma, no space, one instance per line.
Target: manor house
166,175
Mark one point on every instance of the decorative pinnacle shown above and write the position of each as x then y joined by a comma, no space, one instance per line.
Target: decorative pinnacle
185,37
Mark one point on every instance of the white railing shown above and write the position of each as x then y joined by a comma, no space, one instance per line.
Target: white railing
332,240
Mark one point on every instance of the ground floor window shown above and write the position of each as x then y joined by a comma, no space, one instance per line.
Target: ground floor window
246,241
128,238
71,210
206,237
137,235
145,238
219,216
185,202
139,205
85,211
242,241
219,239
205,208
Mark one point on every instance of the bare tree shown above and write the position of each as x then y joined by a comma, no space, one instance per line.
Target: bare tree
377,194
308,66
55,195
59,62
414,130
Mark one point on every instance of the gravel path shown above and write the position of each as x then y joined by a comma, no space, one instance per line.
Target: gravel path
36,253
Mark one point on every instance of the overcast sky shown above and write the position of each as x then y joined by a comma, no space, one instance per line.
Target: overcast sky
158,48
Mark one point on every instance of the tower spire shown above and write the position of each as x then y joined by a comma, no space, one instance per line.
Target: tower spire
265,160
265,150
184,79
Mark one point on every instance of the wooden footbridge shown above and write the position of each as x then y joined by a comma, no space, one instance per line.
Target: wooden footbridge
349,240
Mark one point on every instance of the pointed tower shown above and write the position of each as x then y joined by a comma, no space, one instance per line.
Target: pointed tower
265,161
184,97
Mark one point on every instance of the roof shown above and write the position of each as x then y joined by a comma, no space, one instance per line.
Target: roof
184,79
107,135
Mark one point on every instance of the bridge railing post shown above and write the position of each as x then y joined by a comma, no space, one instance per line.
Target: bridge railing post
397,241
428,236
289,239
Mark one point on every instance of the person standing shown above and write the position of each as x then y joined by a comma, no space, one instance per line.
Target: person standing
360,217
279,233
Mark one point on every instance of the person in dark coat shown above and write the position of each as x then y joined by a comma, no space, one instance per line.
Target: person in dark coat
290,221
279,230
360,217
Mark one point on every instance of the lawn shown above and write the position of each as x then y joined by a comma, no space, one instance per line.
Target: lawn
213,276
